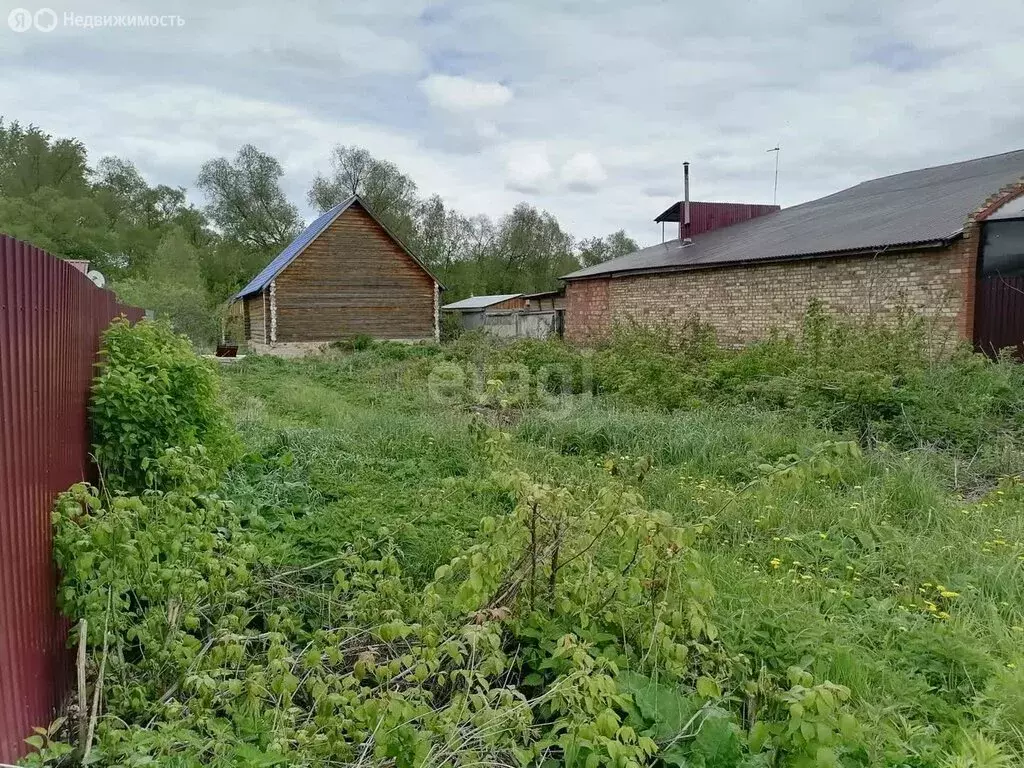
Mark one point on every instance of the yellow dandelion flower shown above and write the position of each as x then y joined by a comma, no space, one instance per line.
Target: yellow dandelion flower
949,593
942,615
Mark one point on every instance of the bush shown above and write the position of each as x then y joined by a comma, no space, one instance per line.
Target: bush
880,383
153,393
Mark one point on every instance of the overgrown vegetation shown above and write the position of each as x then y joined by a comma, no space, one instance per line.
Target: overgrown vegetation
807,553
153,394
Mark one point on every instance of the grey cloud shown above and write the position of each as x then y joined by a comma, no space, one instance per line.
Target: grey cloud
850,90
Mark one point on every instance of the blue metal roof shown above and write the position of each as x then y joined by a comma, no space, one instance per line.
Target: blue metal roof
295,247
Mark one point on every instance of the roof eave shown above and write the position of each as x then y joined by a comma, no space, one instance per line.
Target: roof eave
869,250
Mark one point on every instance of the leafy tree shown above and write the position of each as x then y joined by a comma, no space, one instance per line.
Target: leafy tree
74,228
388,192
595,250
246,200
226,266
127,196
31,160
175,290
443,235
530,250
141,215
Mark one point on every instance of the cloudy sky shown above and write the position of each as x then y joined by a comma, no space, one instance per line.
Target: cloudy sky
586,109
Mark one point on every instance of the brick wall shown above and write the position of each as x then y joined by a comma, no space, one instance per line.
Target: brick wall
747,303
587,312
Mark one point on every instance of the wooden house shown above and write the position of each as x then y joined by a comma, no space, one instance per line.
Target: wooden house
346,275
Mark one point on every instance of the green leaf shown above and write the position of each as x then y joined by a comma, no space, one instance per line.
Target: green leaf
663,706
676,756
759,736
708,688
719,743
251,756
36,741
848,725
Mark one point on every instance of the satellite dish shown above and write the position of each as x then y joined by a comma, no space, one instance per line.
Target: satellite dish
97,277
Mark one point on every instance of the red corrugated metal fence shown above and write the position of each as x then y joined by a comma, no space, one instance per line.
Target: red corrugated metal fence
51,318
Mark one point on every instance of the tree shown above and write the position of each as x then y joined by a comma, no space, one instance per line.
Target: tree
595,250
388,192
72,228
443,235
530,250
174,289
142,215
245,199
31,160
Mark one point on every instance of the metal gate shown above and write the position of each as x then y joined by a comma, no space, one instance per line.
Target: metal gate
999,303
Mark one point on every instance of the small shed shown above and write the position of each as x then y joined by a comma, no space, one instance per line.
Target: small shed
545,300
473,311
345,275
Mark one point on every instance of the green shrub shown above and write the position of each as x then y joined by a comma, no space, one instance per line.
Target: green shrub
880,383
451,326
153,393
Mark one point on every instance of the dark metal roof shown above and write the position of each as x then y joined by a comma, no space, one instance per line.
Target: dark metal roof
480,302
928,206
307,236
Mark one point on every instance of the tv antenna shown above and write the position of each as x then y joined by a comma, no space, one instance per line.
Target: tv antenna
775,191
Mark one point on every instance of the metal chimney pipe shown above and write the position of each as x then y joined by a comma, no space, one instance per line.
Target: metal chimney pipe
684,226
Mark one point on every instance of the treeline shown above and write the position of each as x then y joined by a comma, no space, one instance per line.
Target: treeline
161,251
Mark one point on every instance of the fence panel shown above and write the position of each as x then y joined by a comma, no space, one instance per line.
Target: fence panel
518,324
51,318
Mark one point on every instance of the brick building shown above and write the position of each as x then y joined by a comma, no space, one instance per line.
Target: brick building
946,243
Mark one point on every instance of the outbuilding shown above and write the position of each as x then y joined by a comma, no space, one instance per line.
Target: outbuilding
346,275
946,243
472,312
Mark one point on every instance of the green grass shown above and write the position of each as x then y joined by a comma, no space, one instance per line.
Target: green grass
822,554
